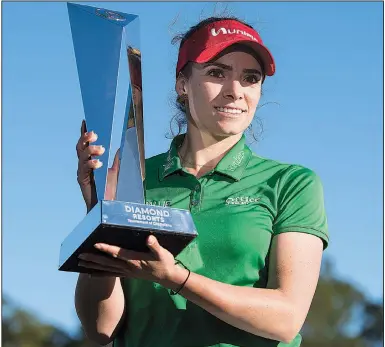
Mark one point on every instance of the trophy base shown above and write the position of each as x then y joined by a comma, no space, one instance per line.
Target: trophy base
126,225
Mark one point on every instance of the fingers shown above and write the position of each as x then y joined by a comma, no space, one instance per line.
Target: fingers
111,271
87,154
154,246
85,151
86,164
85,169
91,150
126,261
101,259
99,274
123,254
84,140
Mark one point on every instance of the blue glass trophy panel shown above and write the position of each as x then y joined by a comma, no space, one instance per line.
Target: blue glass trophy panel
108,57
100,45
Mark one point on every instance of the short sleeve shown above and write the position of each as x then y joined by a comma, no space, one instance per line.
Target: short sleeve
300,204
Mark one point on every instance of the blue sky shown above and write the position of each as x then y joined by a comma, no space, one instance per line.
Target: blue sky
329,117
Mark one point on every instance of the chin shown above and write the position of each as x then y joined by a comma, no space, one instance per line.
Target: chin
232,127
226,130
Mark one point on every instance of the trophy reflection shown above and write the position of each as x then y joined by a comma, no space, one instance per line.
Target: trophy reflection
135,117
108,58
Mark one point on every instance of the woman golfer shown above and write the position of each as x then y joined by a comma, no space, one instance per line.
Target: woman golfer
248,279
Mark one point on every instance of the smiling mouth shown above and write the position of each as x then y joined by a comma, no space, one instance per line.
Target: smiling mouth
230,110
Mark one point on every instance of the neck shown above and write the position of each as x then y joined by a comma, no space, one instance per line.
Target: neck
201,152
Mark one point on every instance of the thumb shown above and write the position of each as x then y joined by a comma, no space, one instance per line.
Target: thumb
83,128
154,245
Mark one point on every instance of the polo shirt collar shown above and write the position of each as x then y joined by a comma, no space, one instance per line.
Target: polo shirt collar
172,161
232,164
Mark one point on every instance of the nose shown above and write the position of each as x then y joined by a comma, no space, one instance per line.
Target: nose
233,90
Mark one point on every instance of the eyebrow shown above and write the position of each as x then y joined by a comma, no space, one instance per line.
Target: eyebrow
229,68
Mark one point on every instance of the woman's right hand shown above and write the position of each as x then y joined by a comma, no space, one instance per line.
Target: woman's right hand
86,166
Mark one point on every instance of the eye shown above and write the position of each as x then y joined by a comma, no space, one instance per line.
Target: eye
253,78
215,73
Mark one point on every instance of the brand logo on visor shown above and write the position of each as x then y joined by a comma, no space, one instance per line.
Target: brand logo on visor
232,31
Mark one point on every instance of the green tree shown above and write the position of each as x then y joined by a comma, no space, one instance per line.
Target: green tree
22,329
341,316
373,326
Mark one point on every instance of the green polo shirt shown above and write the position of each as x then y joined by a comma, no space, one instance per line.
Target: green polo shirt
237,208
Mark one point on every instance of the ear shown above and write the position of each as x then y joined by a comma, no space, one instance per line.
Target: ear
181,86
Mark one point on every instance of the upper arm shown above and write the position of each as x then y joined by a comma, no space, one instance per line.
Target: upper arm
294,268
300,234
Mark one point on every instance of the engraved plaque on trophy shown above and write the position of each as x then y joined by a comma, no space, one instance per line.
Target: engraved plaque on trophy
108,58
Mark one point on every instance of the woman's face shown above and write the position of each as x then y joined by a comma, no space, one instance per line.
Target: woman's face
223,95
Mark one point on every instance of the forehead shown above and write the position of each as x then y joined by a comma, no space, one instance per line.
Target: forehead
238,59
239,54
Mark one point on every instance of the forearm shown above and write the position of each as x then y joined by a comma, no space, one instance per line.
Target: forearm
100,306
263,312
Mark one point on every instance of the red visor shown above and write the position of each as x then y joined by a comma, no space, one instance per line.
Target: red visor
213,38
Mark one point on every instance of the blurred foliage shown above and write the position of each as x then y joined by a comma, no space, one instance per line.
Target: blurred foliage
22,329
340,316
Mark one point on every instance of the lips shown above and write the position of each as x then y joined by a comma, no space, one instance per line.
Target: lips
231,110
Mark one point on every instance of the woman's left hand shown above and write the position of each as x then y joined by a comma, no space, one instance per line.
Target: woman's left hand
158,265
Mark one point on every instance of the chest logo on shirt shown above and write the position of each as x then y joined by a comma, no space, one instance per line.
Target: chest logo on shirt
163,203
241,200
